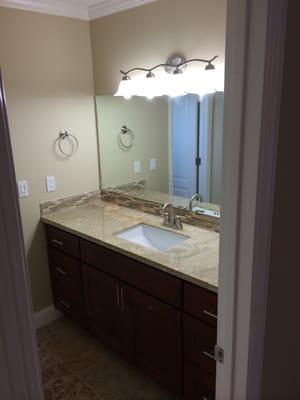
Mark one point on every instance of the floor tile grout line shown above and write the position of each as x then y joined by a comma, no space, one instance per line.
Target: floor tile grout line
75,374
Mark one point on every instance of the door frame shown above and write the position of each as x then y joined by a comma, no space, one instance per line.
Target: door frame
252,86
254,67
20,376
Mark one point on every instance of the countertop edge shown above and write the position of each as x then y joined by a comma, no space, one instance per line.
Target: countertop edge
180,275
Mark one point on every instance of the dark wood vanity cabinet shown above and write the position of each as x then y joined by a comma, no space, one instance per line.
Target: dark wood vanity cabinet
108,310
200,335
157,340
167,327
65,271
142,326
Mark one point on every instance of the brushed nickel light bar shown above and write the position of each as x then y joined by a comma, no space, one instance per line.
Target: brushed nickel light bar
171,64
172,83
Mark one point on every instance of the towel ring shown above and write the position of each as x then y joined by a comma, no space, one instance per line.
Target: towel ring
64,134
126,131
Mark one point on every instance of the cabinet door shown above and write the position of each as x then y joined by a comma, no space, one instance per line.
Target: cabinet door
199,341
198,384
157,340
108,310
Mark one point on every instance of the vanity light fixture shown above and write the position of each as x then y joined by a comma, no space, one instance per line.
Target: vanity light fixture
171,83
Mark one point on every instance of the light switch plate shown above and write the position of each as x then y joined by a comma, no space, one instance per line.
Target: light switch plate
153,164
137,167
50,183
23,188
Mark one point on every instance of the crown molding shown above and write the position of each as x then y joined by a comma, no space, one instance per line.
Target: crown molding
80,9
62,8
108,7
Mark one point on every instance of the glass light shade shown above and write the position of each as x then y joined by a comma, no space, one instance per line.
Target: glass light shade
205,82
173,85
125,89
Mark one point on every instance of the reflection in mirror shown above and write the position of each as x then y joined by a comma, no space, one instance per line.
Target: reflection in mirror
164,149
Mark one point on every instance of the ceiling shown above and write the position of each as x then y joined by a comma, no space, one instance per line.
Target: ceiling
82,9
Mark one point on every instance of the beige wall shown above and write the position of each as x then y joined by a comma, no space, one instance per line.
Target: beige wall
47,69
282,352
149,120
148,35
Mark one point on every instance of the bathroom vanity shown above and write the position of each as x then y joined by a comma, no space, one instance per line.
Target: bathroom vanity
161,319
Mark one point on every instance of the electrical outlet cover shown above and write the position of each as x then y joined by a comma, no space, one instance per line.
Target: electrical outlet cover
153,164
50,183
137,167
23,188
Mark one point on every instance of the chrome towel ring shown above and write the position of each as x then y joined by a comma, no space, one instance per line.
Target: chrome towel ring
64,134
121,138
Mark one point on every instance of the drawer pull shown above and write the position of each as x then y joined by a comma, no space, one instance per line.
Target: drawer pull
66,305
122,299
209,355
61,271
210,314
118,295
58,242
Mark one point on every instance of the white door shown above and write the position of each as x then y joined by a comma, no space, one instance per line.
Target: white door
184,128
210,147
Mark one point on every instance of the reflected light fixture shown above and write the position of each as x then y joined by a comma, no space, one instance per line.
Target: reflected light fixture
172,82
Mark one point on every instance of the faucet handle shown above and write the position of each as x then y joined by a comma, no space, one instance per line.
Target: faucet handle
166,221
177,222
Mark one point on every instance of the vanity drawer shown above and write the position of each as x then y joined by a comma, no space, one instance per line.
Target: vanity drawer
69,303
199,341
198,385
63,241
201,303
154,282
66,270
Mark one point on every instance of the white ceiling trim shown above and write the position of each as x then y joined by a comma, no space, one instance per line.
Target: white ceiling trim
61,8
108,7
79,9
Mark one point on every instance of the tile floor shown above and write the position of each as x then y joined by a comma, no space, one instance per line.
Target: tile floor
76,366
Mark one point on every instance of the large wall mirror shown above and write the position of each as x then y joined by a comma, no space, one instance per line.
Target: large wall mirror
164,149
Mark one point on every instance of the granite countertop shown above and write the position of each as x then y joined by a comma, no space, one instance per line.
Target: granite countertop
195,260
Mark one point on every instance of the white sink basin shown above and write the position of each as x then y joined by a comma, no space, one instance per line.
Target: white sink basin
154,238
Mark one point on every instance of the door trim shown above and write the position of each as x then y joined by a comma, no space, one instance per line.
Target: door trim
20,376
254,66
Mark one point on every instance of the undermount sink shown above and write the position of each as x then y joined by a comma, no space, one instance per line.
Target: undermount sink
152,237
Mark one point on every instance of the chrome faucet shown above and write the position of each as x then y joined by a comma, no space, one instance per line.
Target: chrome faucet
170,219
195,196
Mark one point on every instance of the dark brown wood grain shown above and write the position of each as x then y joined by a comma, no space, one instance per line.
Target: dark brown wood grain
198,384
108,310
135,273
198,301
153,319
63,241
199,339
157,340
65,269
69,303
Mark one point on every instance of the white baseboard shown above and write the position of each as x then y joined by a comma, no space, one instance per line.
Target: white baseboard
45,316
